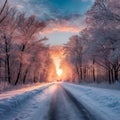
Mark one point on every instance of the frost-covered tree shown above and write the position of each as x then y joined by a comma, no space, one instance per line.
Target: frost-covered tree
103,22
23,55
75,49
100,41
27,29
3,11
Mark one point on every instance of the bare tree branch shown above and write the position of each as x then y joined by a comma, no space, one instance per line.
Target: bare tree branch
5,3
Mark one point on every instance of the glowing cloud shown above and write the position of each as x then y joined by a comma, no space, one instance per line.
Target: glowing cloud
74,24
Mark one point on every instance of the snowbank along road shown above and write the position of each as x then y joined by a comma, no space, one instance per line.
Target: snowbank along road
48,102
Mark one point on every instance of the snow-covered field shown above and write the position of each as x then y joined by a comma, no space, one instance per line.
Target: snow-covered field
102,103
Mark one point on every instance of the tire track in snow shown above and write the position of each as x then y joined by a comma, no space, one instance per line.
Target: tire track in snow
63,102
57,107
82,110
52,112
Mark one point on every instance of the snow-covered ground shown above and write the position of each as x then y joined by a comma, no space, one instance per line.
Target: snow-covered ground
4,86
49,102
102,103
106,85
14,92
60,101
23,101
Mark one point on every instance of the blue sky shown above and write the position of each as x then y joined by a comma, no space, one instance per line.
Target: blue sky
49,9
64,17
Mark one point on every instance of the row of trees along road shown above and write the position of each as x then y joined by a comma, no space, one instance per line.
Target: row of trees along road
23,56
95,52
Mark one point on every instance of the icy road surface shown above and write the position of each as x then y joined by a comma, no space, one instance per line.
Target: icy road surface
59,101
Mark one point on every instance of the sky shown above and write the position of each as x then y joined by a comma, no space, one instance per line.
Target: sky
64,18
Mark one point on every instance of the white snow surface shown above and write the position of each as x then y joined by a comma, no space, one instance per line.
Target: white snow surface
102,103
14,92
33,103
13,101
115,86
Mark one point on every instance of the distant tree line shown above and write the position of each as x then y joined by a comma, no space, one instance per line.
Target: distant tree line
23,55
95,52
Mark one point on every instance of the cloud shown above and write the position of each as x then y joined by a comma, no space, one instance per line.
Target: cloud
40,10
70,25
52,9
59,15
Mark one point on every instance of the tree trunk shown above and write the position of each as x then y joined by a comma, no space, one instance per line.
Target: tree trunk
18,75
20,67
109,74
8,69
81,73
85,73
94,78
116,75
112,76
3,7
34,78
78,74
26,72
25,75
7,47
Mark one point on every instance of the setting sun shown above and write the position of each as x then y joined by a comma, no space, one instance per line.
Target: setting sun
60,69
59,72
57,62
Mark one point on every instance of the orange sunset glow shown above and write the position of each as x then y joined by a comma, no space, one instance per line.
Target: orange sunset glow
57,62
60,68
59,72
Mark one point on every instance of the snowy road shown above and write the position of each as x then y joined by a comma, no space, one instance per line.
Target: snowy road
57,102
65,107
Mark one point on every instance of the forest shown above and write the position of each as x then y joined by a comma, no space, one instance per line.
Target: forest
95,52
93,55
23,55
